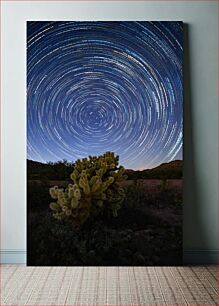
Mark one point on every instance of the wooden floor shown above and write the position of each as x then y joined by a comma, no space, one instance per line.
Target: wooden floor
124,286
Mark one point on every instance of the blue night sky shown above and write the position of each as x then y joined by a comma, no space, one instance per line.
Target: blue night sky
105,86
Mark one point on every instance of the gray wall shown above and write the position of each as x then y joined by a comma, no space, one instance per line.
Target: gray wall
200,110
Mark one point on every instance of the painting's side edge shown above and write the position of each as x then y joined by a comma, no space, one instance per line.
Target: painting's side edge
200,257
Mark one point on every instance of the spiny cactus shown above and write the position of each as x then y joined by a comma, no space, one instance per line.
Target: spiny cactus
95,189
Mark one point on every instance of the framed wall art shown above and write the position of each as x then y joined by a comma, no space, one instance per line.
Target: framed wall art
104,143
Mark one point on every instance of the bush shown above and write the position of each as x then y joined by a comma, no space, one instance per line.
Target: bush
58,243
95,190
37,195
136,196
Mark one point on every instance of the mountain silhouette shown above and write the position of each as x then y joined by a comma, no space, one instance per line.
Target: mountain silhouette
61,170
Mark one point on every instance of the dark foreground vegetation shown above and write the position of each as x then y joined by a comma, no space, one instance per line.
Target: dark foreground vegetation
147,230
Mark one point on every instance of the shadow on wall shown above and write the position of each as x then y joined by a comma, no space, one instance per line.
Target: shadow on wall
193,230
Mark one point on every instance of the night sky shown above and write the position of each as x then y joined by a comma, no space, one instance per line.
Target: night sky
105,86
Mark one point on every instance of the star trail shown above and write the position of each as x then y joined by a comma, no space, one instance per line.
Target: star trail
105,86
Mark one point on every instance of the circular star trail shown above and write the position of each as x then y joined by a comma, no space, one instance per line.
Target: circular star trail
105,86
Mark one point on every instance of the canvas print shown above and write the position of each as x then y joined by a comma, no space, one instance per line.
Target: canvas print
104,143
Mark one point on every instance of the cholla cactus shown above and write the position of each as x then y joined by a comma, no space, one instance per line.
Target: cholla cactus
95,189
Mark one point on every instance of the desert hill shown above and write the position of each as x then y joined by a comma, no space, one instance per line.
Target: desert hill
61,171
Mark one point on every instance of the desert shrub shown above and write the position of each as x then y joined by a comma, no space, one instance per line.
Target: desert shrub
95,190
136,196
178,198
139,195
163,185
37,195
52,170
52,242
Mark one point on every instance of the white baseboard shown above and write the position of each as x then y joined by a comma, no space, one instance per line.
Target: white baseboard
12,256
189,257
